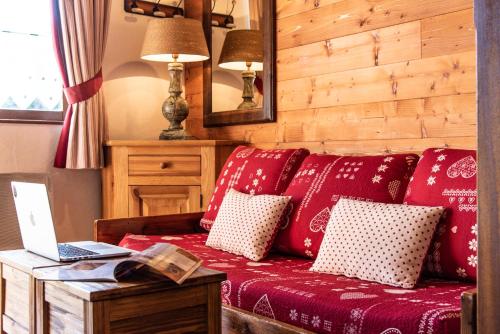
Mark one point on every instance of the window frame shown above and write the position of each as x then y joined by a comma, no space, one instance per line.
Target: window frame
33,116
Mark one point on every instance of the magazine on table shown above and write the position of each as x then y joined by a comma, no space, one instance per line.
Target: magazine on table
166,259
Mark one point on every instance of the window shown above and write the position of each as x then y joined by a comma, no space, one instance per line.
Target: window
30,82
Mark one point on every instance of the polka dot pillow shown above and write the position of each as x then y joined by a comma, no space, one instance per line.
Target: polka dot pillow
247,224
384,243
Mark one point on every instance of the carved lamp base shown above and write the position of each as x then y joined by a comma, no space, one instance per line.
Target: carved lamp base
175,108
176,134
248,92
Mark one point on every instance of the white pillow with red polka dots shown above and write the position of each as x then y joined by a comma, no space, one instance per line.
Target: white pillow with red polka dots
247,224
384,243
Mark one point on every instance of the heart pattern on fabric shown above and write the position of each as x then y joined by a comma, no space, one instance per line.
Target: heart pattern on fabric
263,307
465,167
319,222
253,171
391,331
393,188
356,295
245,153
450,254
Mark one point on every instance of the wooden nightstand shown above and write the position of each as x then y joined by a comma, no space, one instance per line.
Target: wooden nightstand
143,305
146,305
18,289
145,178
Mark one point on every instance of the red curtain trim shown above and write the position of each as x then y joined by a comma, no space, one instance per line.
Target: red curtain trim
84,90
62,146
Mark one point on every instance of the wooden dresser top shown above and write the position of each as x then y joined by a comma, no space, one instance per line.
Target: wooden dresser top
173,143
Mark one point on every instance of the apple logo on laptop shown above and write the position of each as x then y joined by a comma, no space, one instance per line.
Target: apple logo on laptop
32,218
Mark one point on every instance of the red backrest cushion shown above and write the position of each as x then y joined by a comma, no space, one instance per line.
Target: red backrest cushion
447,177
254,171
323,179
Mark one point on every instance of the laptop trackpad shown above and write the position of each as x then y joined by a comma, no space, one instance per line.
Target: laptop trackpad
97,247
93,246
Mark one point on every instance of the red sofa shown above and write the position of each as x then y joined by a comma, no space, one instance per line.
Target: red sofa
282,288
280,294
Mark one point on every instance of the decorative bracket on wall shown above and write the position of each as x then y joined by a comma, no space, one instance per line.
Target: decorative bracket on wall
223,20
155,9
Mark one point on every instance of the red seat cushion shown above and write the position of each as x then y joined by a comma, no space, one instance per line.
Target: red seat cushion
323,179
447,177
283,288
254,171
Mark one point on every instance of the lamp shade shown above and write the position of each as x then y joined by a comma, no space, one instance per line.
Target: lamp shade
242,47
174,36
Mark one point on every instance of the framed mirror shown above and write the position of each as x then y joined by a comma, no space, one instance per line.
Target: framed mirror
239,79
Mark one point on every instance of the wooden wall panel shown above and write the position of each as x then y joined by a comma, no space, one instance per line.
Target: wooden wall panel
444,75
286,8
384,46
449,33
362,76
352,16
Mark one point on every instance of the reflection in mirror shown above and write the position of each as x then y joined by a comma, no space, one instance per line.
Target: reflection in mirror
237,55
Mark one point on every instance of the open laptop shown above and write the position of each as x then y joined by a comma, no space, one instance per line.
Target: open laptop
37,228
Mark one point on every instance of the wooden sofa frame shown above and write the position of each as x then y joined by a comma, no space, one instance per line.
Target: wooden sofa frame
234,320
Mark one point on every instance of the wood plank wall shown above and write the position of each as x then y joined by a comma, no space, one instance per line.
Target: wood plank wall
364,76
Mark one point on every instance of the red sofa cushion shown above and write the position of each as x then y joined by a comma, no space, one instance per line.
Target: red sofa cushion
323,179
282,288
447,177
254,171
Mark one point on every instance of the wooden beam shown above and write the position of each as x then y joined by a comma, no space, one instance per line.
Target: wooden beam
468,312
236,320
487,14
112,231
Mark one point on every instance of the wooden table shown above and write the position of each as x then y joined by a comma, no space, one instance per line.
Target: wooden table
18,290
148,305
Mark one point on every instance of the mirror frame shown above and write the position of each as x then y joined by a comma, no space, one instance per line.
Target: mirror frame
265,114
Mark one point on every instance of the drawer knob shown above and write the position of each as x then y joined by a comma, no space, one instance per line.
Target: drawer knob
165,165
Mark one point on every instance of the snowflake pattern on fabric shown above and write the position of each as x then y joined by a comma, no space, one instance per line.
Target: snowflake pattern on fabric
253,171
447,177
283,280
377,178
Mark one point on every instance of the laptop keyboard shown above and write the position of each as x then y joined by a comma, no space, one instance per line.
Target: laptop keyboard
69,251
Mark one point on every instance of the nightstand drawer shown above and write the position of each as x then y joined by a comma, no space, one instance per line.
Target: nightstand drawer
156,165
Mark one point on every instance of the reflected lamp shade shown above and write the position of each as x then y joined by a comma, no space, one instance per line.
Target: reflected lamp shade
242,47
175,39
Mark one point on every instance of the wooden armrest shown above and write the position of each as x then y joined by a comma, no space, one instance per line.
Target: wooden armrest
112,231
468,317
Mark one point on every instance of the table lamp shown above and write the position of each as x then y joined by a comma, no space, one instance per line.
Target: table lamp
243,50
175,40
